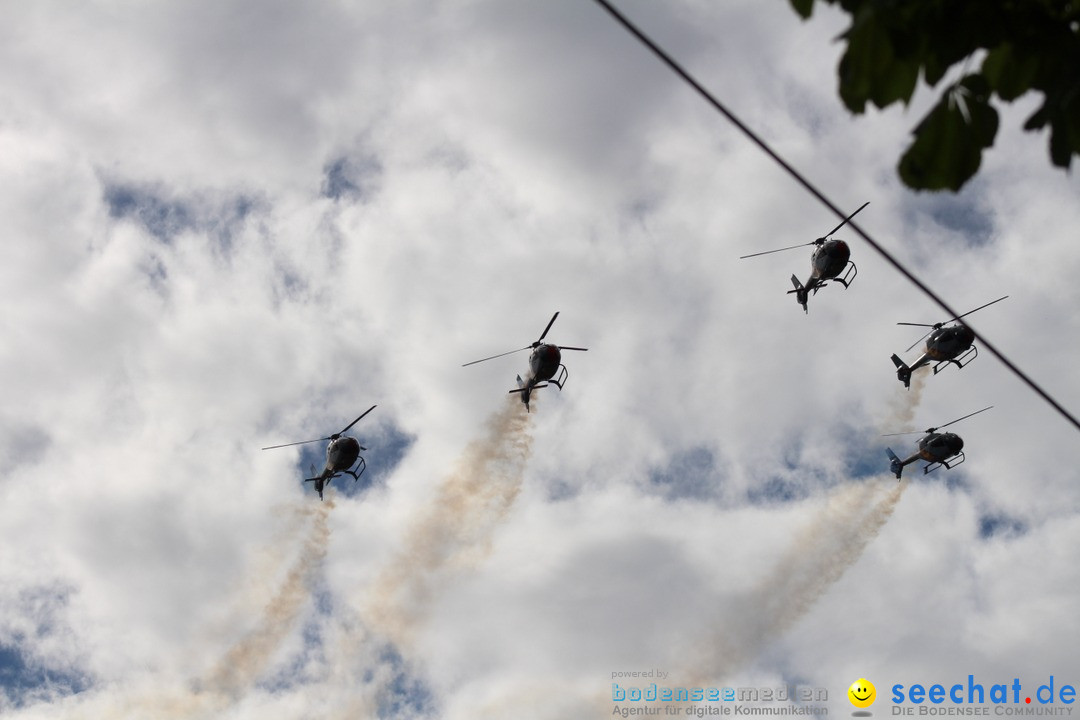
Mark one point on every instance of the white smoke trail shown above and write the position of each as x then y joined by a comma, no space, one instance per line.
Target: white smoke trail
456,530
907,402
819,555
242,664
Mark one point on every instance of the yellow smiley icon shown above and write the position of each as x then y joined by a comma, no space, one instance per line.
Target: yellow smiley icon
862,693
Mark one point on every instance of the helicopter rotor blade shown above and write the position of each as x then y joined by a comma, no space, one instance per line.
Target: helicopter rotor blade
937,325
979,308
770,252
567,347
508,352
302,442
846,219
544,334
959,419
357,419
935,429
919,340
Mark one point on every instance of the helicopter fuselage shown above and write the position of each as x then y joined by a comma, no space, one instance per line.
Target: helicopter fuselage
544,361
945,344
936,449
831,261
341,453
949,342
828,261
545,365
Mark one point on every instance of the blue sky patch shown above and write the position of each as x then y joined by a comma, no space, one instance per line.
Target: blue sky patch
352,178
778,490
406,694
1001,526
24,680
965,218
691,474
165,215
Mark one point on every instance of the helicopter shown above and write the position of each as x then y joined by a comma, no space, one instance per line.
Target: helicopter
937,449
342,452
545,365
944,345
830,261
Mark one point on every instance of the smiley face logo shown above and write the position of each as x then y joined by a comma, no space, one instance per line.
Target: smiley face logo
862,693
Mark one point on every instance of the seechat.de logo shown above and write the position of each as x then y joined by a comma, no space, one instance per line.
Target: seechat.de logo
862,694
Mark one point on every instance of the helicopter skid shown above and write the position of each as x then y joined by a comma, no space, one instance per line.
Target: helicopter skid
849,275
947,464
357,473
964,359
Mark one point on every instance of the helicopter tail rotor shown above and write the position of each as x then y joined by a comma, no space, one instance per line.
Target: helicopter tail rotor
319,480
524,390
802,294
895,465
902,371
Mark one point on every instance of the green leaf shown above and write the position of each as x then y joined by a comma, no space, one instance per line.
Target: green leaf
1060,147
1065,134
1038,119
1061,111
870,70
1009,74
803,7
1025,45
949,141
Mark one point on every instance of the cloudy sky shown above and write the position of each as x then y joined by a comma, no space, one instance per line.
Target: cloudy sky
236,224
